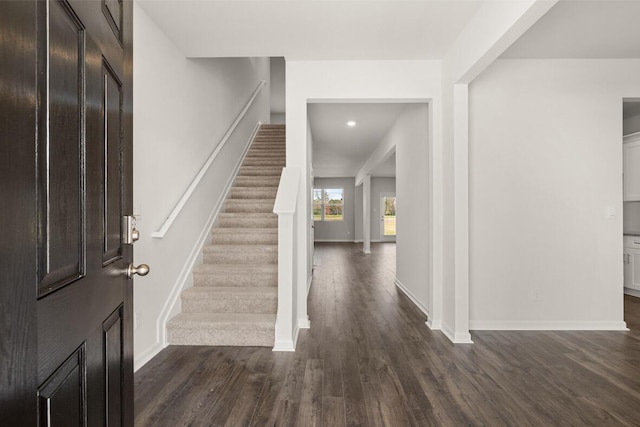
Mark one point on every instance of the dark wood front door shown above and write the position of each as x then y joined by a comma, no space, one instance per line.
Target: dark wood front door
66,334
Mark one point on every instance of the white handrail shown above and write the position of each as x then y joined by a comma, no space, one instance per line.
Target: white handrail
287,195
159,234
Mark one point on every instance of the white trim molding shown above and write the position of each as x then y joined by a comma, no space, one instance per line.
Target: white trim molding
431,324
632,292
456,337
547,325
411,296
147,355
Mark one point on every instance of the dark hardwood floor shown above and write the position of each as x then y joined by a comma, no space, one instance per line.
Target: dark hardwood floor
370,360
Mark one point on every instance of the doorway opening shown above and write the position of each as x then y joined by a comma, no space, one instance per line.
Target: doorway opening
388,217
631,207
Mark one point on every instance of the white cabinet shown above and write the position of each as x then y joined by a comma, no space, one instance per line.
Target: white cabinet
631,169
631,260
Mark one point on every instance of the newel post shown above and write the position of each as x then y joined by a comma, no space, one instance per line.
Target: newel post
285,208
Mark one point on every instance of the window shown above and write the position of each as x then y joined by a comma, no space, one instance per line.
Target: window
328,204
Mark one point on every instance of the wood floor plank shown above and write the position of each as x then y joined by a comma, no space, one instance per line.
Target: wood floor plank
333,412
310,412
370,360
245,405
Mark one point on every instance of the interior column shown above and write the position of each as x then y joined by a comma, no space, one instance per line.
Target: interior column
366,214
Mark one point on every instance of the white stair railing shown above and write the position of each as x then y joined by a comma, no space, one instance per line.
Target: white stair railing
285,207
173,215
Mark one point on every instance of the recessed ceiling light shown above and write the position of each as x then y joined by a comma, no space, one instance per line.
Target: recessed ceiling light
351,123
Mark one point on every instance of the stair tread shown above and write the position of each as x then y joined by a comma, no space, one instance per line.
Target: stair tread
235,268
205,320
248,215
248,201
237,230
240,291
240,248
264,188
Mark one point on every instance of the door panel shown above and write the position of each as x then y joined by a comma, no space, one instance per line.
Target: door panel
61,222
112,171
113,352
62,398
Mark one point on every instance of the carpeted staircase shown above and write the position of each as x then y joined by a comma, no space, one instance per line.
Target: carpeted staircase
234,297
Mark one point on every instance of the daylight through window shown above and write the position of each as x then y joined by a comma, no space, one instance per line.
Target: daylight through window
328,204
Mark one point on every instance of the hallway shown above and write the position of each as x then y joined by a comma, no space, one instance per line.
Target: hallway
369,359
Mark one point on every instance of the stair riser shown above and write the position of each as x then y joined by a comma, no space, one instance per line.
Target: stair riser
254,161
244,239
264,153
257,155
254,193
257,181
222,280
185,335
230,305
240,258
232,206
261,171
269,143
248,223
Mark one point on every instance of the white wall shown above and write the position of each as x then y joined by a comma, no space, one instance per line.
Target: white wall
410,135
182,109
370,81
338,231
545,166
278,90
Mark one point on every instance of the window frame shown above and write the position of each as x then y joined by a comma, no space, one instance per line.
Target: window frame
324,203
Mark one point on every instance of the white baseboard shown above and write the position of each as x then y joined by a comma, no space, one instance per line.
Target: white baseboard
304,323
309,285
372,241
147,355
632,292
547,325
288,345
332,241
411,296
456,337
185,274
434,325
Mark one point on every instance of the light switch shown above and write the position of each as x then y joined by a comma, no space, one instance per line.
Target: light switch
611,212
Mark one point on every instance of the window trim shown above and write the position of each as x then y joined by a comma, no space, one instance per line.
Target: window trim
323,204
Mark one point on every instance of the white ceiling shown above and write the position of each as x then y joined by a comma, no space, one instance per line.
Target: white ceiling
312,29
339,150
583,29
